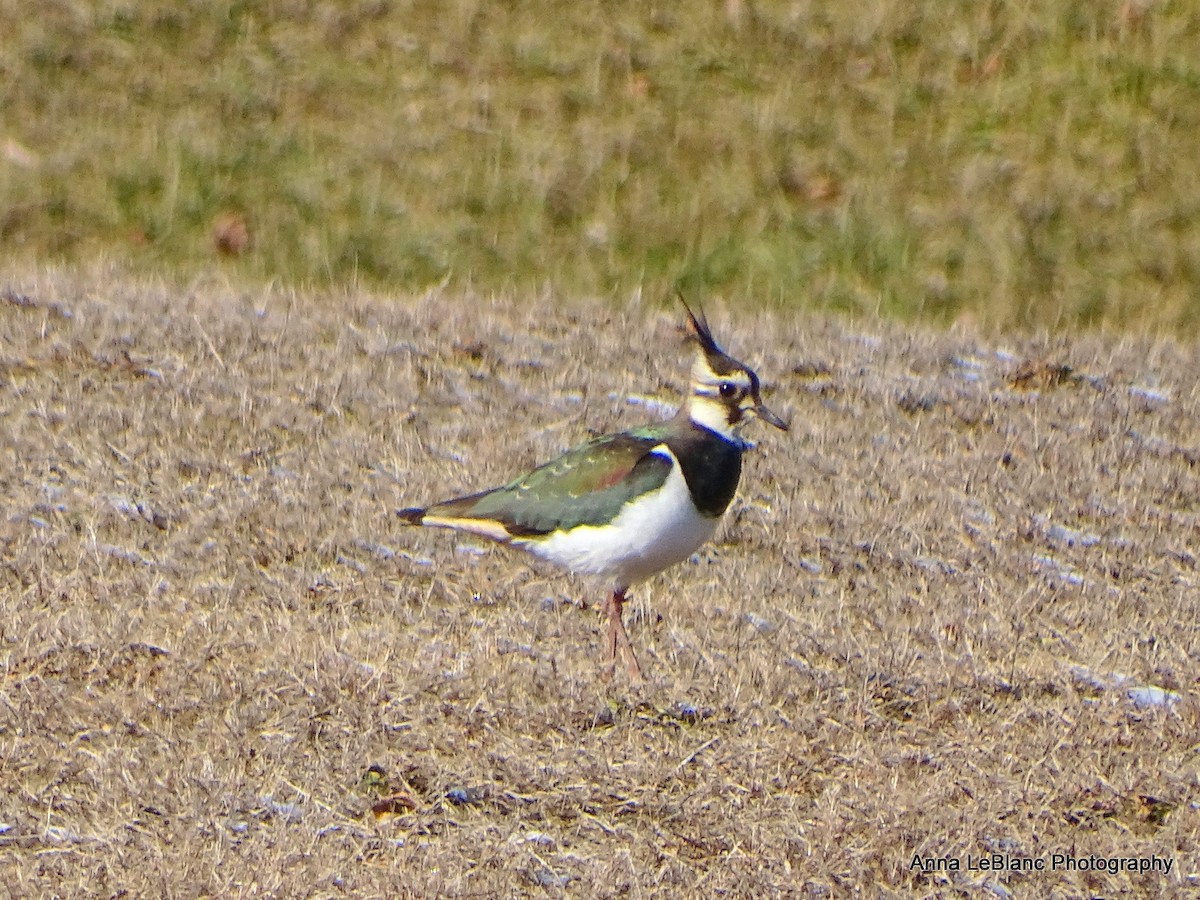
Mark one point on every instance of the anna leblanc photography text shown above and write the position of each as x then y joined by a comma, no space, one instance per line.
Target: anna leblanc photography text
1054,862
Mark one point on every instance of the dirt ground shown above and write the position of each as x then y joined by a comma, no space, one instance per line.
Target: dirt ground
946,642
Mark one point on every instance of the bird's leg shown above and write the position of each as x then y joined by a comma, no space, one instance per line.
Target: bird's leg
610,644
618,638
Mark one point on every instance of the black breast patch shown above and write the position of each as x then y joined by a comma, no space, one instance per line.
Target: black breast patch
712,467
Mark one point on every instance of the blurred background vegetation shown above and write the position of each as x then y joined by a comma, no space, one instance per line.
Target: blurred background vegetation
1016,164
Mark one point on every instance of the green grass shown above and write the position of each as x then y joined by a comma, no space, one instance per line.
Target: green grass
1015,164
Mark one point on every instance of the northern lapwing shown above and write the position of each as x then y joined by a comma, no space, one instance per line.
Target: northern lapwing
627,505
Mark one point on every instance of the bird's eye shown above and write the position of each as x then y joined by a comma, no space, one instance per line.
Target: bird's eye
728,389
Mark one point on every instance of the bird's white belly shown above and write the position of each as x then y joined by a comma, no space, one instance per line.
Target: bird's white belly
649,534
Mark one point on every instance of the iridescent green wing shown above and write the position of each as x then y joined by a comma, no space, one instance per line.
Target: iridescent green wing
585,486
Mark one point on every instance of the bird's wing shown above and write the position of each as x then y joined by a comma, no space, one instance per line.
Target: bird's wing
584,486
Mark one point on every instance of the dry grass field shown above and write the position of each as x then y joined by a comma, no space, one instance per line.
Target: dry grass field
954,613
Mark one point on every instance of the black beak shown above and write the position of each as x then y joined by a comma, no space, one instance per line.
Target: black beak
769,417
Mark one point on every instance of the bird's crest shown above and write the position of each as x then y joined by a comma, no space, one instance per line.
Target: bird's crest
700,329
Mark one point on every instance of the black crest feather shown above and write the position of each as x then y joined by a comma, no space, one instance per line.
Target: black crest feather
700,328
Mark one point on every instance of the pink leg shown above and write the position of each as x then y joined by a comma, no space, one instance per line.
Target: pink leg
610,642
618,639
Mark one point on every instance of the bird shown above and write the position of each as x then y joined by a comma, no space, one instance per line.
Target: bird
631,504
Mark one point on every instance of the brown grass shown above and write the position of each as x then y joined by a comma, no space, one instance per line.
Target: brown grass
228,671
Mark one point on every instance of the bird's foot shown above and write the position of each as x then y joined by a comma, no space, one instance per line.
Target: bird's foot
617,640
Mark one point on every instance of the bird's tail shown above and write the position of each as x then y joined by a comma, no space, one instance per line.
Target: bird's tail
413,515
